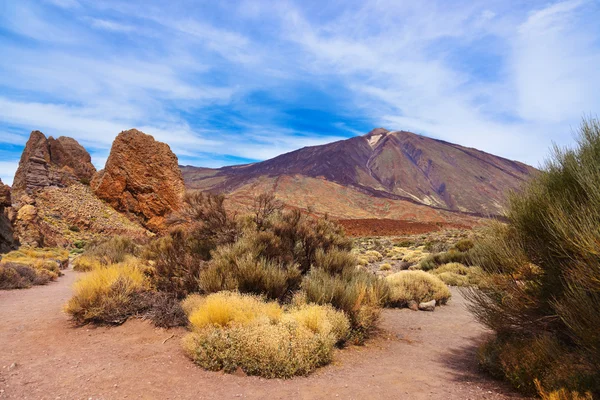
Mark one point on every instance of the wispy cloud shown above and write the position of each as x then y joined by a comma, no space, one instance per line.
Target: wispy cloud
238,81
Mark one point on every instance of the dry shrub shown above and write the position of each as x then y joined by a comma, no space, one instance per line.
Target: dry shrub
373,256
85,263
206,223
113,250
163,309
385,267
417,286
191,303
433,261
225,309
270,351
456,274
561,394
26,267
323,320
176,263
108,295
17,276
232,331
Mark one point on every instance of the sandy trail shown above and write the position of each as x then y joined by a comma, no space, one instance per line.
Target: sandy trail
419,355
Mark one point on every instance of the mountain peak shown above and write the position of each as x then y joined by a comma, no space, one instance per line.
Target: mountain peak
398,166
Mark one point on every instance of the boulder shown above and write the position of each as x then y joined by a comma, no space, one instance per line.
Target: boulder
413,305
141,178
50,162
427,306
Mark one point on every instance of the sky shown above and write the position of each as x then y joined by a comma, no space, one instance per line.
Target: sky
230,82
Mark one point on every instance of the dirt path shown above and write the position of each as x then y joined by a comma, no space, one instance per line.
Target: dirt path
420,356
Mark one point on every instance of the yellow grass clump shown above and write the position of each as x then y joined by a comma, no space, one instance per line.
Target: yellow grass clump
231,331
373,256
107,295
417,286
385,267
457,274
86,263
225,309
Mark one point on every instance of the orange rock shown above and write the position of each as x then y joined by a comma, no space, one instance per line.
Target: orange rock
141,178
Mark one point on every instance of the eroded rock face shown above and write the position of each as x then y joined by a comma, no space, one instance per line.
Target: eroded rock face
7,239
4,195
141,178
50,162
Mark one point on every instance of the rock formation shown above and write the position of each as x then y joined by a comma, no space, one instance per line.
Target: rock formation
45,163
7,240
141,178
50,162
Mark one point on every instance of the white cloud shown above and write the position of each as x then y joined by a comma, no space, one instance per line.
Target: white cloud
7,171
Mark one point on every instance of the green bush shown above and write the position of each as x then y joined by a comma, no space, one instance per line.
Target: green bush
543,269
432,261
358,293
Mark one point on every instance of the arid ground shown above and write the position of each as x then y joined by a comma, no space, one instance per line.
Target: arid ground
418,355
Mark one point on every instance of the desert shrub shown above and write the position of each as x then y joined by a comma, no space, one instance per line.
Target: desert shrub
270,351
206,222
17,276
417,286
455,274
432,261
364,261
191,303
414,256
176,263
542,267
244,266
231,331
436,246
86,263
522,361
225,309
358,293
373,256
463,245
385,267
163,309
108,295
334,261
113,250
561,394
323,320
26,267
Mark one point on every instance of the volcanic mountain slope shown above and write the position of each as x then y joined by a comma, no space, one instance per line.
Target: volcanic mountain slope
383,174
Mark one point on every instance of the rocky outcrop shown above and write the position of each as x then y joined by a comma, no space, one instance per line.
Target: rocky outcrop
7,240
50,162
45,163
141,178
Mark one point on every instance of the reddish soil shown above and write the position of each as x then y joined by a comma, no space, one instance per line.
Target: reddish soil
393,227
418,355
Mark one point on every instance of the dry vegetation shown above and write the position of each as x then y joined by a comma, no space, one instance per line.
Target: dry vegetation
26,267
541,289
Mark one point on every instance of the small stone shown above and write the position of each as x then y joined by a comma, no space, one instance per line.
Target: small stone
12,366
413,305
427,306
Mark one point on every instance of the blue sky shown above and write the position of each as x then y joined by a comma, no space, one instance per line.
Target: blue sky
236,81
